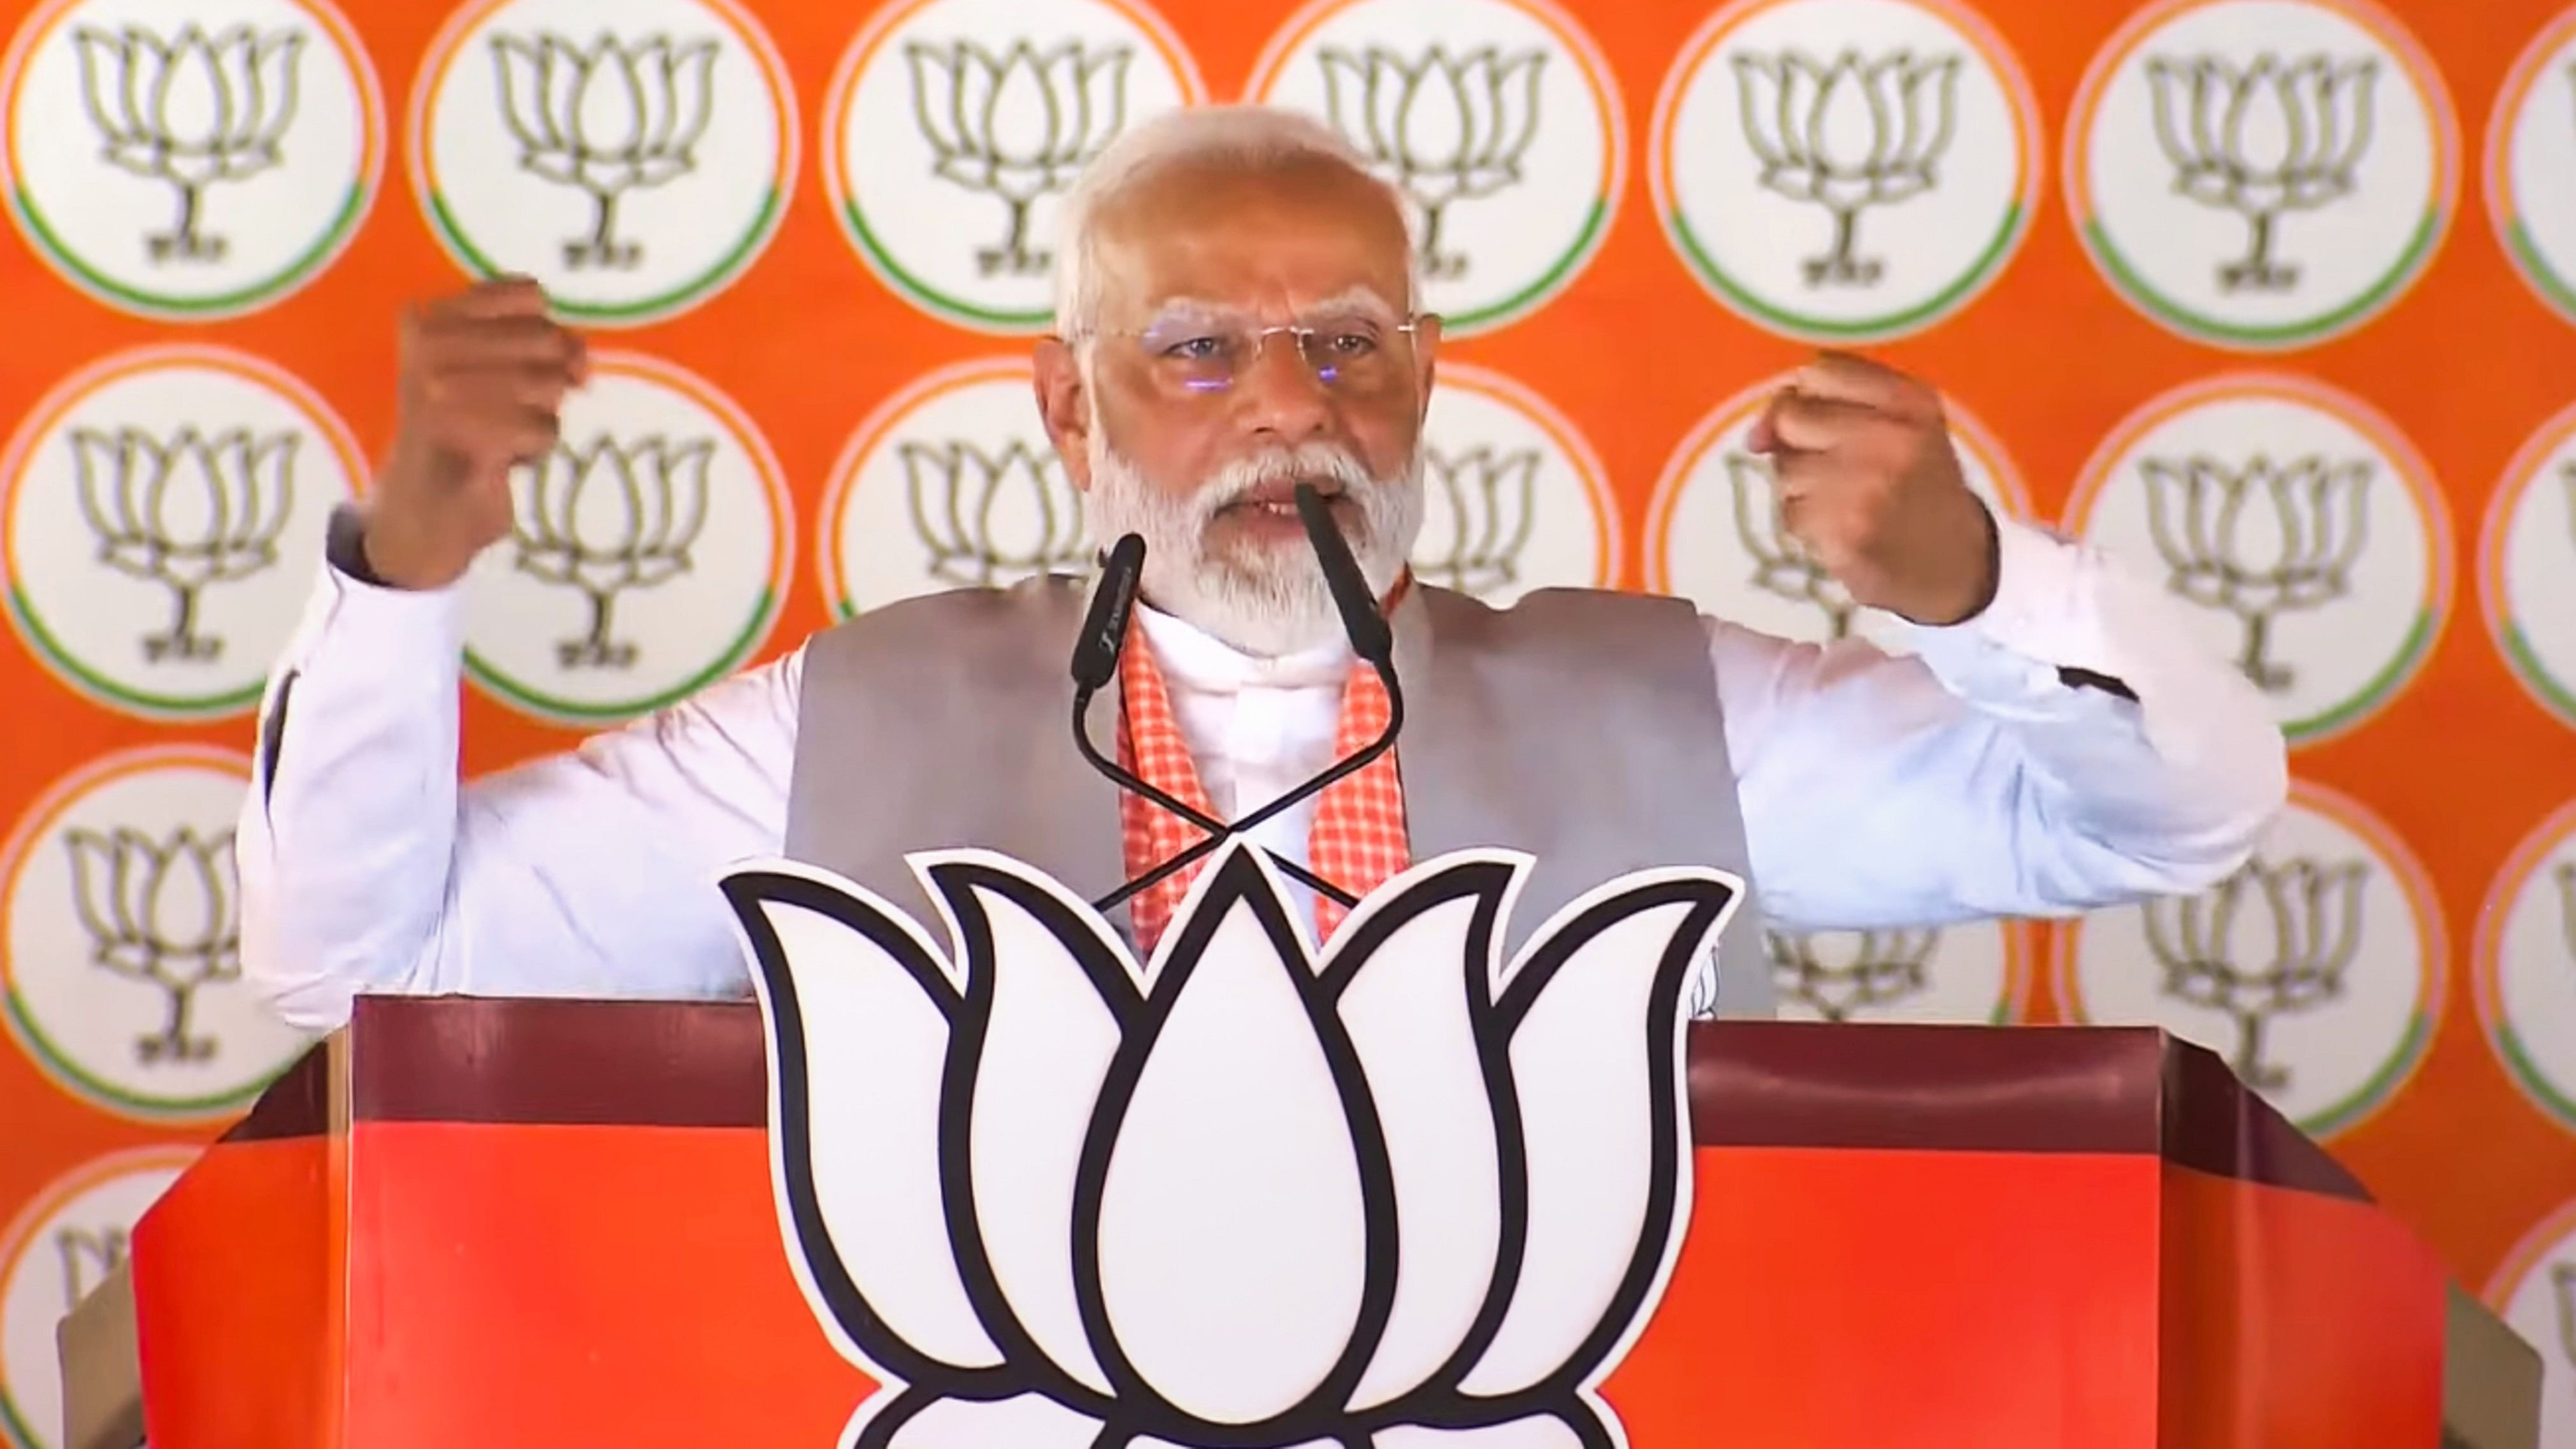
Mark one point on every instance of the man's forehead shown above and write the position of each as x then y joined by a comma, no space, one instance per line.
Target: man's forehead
1296,236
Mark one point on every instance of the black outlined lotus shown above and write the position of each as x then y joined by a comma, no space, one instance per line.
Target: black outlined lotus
614,117
193,110
1846,135
162,912
988,516
2273,938
1239,1198
1444,127
185,511
2260,540
614,515
1492,496
1844,975
1017,125
2263,138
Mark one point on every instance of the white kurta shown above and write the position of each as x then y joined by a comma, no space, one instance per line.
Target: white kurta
1964,781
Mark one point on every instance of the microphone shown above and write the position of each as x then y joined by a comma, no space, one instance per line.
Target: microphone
1104,629
1371,639
1096,652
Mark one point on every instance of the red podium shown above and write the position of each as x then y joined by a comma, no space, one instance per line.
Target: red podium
506,1223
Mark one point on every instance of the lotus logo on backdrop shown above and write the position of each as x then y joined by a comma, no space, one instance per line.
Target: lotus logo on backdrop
1714,534
606,518
161,911
1845,170
2524,965
2262,173
954,128
961,494
121,924
950,483
634,160
70,1236
647,551
1975,972
1498,120
2318,969
1514,498
165,515
2305,536
1239,1195
964,97
190,162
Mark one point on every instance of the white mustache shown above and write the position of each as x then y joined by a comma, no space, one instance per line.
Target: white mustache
1312,462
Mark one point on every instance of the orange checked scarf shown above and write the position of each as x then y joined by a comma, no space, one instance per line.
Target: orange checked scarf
1357,840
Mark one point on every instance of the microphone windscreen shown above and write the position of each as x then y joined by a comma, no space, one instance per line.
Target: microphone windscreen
1104,628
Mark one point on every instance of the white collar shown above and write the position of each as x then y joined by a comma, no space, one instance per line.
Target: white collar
1195,657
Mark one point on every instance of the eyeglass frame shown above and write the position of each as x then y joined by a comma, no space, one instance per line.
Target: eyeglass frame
1410,328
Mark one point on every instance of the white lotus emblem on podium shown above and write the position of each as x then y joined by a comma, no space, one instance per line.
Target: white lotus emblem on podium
1396,1194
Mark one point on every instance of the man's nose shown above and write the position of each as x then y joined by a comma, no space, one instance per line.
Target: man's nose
1278,393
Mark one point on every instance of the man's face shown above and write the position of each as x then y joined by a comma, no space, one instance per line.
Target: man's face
1193,421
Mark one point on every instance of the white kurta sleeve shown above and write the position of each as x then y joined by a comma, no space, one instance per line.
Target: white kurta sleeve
2071,747
366,866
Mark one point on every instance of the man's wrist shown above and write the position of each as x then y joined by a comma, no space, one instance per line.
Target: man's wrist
371,549
344,547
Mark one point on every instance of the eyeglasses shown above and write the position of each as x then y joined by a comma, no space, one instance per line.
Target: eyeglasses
1351,353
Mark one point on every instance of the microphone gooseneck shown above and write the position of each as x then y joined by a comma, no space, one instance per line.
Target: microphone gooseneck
1096,652
1371,639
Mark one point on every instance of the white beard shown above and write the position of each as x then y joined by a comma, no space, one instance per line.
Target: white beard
1273,601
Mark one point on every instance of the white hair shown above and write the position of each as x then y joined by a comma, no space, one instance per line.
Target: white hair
1250,136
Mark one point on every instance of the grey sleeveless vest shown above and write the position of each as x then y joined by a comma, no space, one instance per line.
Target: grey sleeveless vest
1580,726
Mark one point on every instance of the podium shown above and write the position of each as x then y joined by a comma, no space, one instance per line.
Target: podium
544,1223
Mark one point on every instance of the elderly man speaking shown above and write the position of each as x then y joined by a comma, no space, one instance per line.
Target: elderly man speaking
1238,317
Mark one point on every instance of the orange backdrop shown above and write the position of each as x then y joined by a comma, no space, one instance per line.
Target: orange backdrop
2271,297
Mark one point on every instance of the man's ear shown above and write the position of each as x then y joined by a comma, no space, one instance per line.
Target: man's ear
1064,404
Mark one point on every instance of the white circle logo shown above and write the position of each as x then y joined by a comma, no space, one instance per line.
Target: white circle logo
2317,969
951,484
2535,1294
646,555
1513,498
2531,151
955,126
634,169
166,513
1714,534
2308,537
1843,170
1499,120
2525,965
189,166
62,1245
1975,973
2262,173
123,932
2527,566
